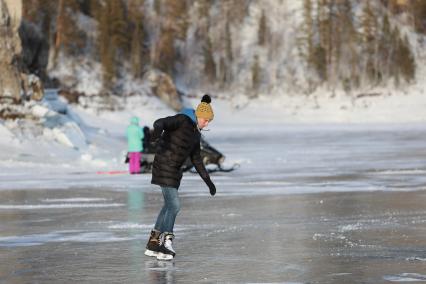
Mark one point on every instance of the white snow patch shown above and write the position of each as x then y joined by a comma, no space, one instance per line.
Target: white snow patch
75,199
6,136
80,74
350,227
58,206
61,236
93,237
406,277
130,226
39,110
416,258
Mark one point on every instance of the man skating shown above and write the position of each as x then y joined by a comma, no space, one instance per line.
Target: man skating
176,138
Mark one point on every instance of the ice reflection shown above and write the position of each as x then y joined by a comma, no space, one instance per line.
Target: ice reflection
160,271
135,207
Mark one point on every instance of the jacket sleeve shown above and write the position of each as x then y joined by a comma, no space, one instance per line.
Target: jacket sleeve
199,165
141,137
167,123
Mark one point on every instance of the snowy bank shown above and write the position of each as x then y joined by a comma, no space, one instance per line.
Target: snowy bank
73,138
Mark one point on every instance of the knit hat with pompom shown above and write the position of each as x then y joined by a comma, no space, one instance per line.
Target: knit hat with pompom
204,110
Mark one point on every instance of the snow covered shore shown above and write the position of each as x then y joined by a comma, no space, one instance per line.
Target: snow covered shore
70,139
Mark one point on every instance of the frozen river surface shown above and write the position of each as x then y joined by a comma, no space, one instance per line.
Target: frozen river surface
326,205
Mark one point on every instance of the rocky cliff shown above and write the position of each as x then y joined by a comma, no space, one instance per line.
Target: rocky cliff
10,48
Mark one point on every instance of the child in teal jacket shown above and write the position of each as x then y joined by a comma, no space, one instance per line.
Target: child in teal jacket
134,141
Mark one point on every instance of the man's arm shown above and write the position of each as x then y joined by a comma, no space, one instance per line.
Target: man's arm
167,123
201,169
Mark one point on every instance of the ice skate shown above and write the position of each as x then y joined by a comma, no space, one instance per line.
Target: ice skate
166,250
153,245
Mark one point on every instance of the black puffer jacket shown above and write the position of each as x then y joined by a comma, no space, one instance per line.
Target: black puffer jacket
177,138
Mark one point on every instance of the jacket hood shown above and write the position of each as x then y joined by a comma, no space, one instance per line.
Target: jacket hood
134,120
190,112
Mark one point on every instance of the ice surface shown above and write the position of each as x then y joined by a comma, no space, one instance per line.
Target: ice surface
349,237
313,205
310,203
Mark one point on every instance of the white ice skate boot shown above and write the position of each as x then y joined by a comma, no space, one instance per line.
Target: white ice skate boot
166,251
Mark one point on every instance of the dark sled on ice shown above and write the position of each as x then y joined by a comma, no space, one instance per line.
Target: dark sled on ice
209,155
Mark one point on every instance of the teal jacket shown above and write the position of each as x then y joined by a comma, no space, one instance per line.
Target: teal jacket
134,136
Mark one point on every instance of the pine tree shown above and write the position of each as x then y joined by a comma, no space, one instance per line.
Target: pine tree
406,60
309,32
347,47
227,57
95,8
418,8
43,13
106,51
173,28
177,17
157,6
320,62
369,26
338,39
138,37
165,52
369,30
255,73
321,22
332,33
223,72
209,63
394,68
321,54
60,19
228,42
306,43
385,48
120,38
396,59
68,38
204,7
235,10
262,33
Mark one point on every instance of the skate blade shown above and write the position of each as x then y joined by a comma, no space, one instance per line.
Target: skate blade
162,256
151,253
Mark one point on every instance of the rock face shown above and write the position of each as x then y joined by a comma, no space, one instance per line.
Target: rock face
10,48
162,86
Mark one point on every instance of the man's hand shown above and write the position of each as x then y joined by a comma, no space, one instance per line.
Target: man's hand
155,144
212,188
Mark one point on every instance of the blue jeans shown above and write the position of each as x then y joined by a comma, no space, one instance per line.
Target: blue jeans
166,218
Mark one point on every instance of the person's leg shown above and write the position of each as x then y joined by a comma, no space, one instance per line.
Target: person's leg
137,165
129,155
164,223
172,208
160,219
131,162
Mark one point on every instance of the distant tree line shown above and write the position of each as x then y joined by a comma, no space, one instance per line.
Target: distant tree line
349,51
339,48
121,41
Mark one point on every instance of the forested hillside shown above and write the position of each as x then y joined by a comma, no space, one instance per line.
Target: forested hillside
248,47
